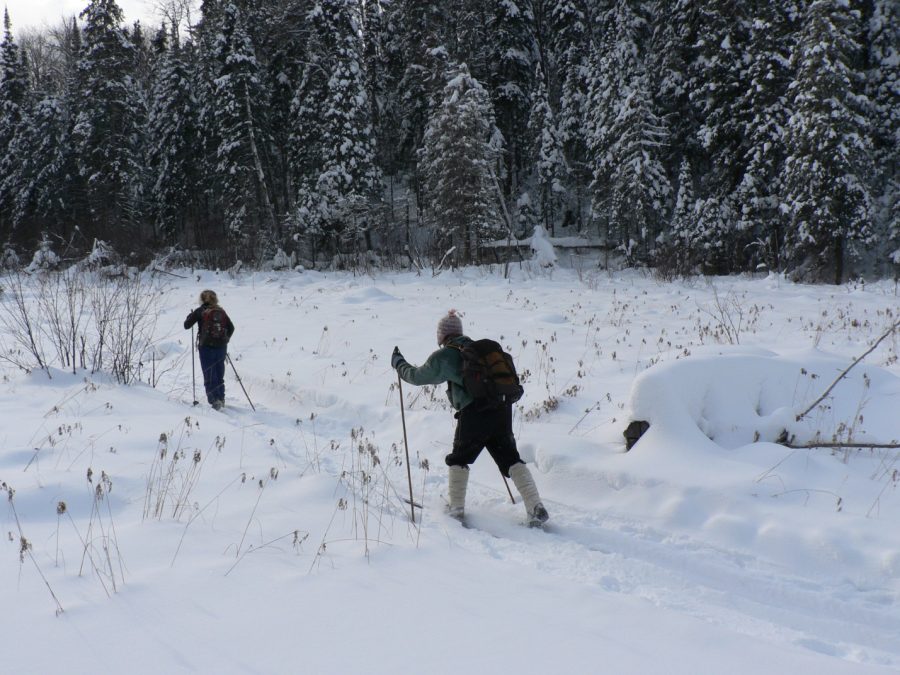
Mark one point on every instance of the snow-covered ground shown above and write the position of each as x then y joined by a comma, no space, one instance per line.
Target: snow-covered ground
277,541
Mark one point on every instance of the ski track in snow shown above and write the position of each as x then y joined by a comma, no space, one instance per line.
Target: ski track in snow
675,572
686,575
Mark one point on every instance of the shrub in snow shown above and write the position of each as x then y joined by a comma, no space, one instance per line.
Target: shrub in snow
283,261
175,257
526,214
104,260
76,319
44,258
9,259
544,253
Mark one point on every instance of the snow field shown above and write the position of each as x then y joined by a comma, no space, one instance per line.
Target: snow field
286,545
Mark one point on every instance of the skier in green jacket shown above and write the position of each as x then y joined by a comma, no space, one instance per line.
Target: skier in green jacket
477,426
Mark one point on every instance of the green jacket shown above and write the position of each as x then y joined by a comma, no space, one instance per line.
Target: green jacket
444,365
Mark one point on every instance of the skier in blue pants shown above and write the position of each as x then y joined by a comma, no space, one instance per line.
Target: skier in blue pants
215,330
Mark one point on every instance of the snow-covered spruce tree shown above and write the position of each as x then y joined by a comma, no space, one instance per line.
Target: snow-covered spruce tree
238,114
511,59
764,112
144,66
418,58
46,169
283,33
672,37
13,122
457,162
172,143
546,156
384,69
107,125
884,92
332,141
209,229
678,255
51,198
626,139
828,165
572,26
716,81
106,131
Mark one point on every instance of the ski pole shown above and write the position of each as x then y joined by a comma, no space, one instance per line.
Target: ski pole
239,381
506,483
412,507
193,367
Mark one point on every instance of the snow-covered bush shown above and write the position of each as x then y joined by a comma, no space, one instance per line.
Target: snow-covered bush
283,261
9,260
104,260
44,258
175,257
544,253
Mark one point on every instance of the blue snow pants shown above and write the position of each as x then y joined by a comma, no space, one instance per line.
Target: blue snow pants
212,362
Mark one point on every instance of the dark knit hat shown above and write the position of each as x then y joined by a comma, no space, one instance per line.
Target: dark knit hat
449,326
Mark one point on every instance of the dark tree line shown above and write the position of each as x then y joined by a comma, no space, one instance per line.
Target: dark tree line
692,135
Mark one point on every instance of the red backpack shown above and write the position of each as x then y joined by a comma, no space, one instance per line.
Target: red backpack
213,325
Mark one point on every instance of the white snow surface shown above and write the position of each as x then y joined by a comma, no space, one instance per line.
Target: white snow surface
278,541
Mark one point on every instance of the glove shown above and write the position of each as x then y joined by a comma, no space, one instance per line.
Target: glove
396,358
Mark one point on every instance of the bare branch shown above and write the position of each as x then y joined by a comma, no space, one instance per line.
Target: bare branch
847,370
838,444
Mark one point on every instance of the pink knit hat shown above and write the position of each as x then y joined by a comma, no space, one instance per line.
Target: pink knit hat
449,326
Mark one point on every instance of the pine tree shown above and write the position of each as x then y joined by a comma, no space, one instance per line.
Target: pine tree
106,129
828,165
53,193
718,31
672,37
421,53
764,113
458,160
512,57
572,24
680,240
13,123
384,69
546,156
717,79
282,51
173,145
626,138
884,92
47,169
334,149
236,111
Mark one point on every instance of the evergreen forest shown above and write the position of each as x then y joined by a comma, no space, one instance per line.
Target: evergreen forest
690,136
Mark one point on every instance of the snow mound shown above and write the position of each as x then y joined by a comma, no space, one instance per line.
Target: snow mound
739,396
553,318
359,297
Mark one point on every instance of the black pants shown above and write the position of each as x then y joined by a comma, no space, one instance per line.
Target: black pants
479,429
